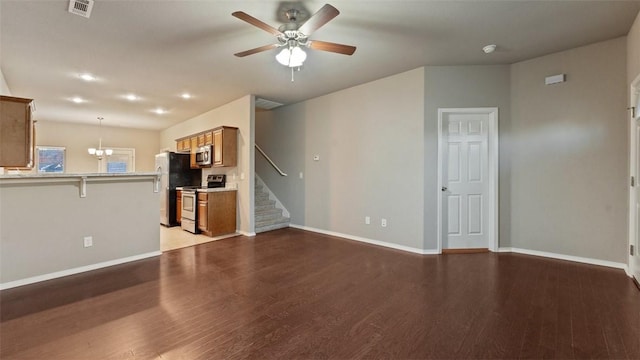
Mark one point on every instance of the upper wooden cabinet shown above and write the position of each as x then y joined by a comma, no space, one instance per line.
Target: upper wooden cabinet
16,132
194,149
183,145
225,146
208,138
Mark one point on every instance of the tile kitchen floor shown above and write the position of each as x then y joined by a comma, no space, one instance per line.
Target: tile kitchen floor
172,238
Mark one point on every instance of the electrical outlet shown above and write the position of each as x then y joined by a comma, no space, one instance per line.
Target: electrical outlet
88,241
301,175
367,220
383,222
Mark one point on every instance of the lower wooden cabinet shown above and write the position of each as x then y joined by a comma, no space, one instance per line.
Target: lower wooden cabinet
217,212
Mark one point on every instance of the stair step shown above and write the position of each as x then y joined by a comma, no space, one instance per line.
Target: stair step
279,220
262,203
270,204
261,196
271,227
271,210
260,217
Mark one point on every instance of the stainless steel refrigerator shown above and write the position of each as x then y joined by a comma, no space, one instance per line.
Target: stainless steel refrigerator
175,171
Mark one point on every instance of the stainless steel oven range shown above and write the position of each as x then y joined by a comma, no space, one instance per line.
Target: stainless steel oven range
189,209
190,201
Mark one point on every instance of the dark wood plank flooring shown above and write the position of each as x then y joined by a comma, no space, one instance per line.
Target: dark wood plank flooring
291,294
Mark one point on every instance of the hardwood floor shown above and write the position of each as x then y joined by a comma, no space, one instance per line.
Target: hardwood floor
291,294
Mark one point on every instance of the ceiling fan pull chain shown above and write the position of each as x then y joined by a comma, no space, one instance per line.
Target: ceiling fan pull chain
291,74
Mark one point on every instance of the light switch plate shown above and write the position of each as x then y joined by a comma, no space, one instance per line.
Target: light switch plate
88,241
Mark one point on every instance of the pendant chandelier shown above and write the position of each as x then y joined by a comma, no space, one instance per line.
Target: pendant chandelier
100,152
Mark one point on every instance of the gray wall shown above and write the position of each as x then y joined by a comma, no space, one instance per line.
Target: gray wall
563,156
370,142
464,87
43,224
569,153
633,51
77,138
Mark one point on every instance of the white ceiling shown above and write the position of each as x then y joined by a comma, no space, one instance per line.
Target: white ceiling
159,49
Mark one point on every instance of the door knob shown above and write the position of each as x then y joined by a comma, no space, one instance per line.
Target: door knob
444,188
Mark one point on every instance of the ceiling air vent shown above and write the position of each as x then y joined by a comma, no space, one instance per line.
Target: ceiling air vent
265,104
81,7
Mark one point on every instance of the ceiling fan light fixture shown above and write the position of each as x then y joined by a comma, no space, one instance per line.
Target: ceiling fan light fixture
291,56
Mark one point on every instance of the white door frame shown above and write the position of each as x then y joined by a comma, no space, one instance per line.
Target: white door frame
492,231
633,160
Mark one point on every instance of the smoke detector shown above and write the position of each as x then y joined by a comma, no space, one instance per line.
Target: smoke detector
489,49
81,7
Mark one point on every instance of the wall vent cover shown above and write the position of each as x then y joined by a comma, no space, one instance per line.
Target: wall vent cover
265,104
81,7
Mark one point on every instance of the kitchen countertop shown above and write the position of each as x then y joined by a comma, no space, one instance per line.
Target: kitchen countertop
208,190
63,175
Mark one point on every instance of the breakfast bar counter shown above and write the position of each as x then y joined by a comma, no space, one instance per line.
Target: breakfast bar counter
54,225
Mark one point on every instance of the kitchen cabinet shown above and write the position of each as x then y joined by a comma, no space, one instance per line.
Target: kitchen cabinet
217,212
179,206
194,148
208,138
203,214
16,132
201,139
225,146
183,145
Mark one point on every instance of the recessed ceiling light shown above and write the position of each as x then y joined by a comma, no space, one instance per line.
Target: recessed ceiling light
186,96
77,100
131,97
87,77
159,111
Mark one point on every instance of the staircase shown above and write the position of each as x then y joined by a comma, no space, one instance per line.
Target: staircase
268,216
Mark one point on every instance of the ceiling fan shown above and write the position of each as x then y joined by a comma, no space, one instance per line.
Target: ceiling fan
292,36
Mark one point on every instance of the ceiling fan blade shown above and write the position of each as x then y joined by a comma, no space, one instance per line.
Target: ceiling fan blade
256,50
323,16
257,23
332,47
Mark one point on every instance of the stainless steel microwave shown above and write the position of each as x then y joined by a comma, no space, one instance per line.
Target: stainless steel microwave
204,155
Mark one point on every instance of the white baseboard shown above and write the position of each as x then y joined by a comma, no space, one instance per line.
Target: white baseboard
368,241
579,259
58,274
246,233
583,260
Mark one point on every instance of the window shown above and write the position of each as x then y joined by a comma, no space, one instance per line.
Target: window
50,159
121,161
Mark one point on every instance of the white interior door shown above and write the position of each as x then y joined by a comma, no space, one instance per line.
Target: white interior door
634,190
468,178
634,260
465,183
